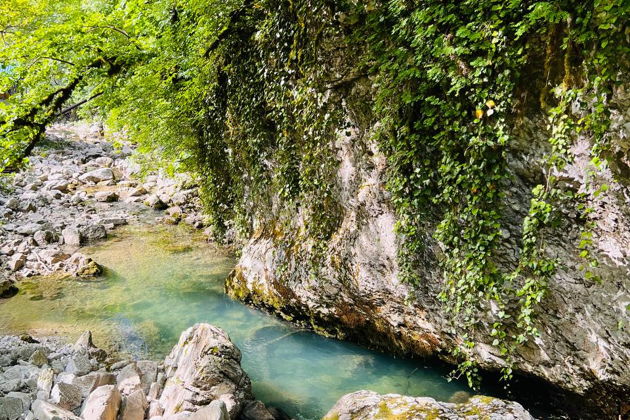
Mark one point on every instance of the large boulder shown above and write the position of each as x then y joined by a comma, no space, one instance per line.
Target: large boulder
204,366
368,405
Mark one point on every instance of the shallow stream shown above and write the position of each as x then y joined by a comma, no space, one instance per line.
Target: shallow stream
162,279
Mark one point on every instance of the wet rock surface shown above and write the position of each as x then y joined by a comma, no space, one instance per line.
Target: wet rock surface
368,405
201,379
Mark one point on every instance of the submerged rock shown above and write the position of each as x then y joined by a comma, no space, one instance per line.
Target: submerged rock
7,288
368,405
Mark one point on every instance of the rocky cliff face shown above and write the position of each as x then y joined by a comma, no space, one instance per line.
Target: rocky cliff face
356,294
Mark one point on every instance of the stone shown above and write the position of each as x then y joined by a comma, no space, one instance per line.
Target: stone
175,212
23,397
43,237
204,366
83,266
104,161
27,206
91,381
154,391
148,373
45,381
102,403
106,196
79,364
89,269
93,232
137,191
7,288
63,186
53,256
255,410
38,358
12,203
84,342
28,229
16,262
72,236
155,409
128,379
46,411
133,406
155,202
97,175
368,405
11,408
119,365
9,385
66,396
216,410
115,221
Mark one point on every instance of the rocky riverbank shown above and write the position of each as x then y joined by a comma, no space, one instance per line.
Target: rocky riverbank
76,189
201,378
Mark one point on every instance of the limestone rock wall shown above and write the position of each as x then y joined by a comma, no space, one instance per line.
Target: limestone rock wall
584,345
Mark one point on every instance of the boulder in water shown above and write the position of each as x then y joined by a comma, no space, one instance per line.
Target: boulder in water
368,405
204,366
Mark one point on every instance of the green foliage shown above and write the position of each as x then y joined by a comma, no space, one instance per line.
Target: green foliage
250,96
448,96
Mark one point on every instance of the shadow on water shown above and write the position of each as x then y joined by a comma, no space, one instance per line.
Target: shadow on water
161,280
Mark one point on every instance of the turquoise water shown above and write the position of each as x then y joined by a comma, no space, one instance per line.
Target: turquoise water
161,280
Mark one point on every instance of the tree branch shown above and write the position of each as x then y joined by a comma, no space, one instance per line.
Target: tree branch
78,104
235,17
57,59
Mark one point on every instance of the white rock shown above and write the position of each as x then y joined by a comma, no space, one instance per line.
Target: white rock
216,410
45,381
204,366
97,175
71,236
66,396
17,262
129,379
106,196
46,411
133,406
102,404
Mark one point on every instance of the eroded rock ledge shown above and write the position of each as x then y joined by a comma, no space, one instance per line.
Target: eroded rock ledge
200,379
368,405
